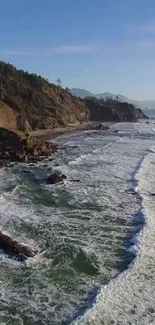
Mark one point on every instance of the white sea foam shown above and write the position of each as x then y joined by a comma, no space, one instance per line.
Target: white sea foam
129,299
79,228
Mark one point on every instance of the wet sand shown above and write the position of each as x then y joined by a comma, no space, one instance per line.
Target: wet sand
71,128
52,134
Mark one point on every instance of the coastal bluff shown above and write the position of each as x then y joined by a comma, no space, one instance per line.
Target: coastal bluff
30,102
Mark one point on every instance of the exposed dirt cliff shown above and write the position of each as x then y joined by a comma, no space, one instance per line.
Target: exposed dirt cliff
12,120
42,104
30,102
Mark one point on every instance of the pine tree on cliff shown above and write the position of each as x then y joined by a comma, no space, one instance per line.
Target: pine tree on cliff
59,82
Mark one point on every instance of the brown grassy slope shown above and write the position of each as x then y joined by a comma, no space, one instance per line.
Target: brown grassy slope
11,120
7,117
42,104
47,106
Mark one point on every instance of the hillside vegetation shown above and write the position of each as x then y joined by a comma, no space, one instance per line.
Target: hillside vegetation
112,110
29,102
42,104
83,93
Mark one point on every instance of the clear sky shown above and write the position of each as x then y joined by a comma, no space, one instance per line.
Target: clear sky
99,45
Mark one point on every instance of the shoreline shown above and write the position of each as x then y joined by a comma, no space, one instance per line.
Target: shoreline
47,135
9,245
37,145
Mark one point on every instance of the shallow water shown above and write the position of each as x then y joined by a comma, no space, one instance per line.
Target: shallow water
87,232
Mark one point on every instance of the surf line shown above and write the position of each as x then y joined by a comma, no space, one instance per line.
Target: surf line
132,247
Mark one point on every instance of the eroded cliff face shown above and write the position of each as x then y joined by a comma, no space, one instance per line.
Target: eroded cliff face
113,110
65,109
30,102
42,104
141,114
11,120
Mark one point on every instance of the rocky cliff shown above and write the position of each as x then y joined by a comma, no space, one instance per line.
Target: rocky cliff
33,98
28,101
112,110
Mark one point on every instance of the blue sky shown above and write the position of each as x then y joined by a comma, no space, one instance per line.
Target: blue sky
99,45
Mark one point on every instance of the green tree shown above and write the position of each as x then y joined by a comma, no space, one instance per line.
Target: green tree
59,82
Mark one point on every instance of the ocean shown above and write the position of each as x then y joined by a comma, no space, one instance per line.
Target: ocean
95,234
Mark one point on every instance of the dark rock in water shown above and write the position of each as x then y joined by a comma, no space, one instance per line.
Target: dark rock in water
100,127
116,131
14,248
45,165
11,188
74,147
56,165
147,122
64,176
131,191
56,178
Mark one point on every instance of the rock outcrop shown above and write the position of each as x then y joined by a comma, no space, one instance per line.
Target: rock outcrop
56,178
12,247
141,114
100,127
20,147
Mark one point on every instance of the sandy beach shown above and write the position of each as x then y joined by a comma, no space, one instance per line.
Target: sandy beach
71,128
